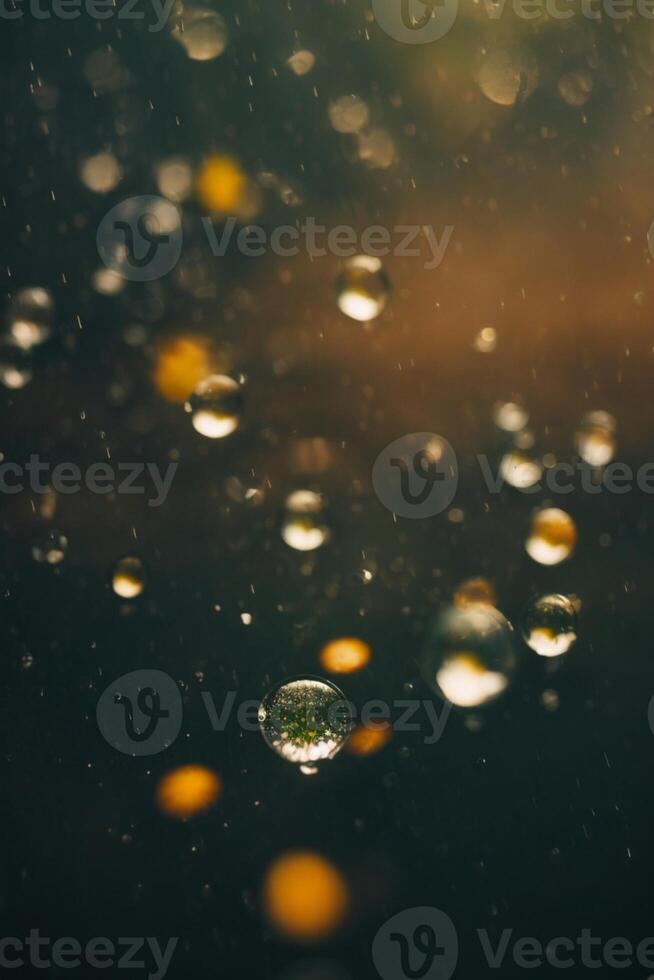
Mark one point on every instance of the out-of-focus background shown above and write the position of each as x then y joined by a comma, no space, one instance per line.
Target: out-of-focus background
533,141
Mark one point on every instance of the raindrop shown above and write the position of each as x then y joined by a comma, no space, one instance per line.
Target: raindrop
304,527
301,62
576,87
305,720
217,406
129,578
348,114
30,317
469,657
507,76
201,32
550,625
595,438
362,288
552,537
51,548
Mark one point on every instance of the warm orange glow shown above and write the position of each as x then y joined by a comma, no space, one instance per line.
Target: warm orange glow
180,363
187,791
345,655
368,739
304,896
221,185
475,592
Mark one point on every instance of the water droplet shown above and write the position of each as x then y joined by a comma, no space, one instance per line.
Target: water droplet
469,657
520,470
201,32
346,655
474,592
595,438
129,578
550,625
552,537
51,548
30,317
305,720
362,288
217,406
576,87
304,527
15,369
508,75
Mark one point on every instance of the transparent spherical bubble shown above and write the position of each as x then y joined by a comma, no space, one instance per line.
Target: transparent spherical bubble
15,368
348,114
216,406
552,536
305,720
510,416
50,548
129,577
507,75
30,317
576,87
304,527
469,657
202,33
363,288
550,625
520,470
595,438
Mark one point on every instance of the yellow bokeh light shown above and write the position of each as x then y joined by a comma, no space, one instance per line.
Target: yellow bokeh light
370,738
345,655
304,896
180,363
187,791
221,185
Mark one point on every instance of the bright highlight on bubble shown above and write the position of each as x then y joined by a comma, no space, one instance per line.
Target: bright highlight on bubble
595,438
201,32
346,655
550,625
363,288
51,548
552,537
187,791
304,896
129,578
216,406
180,363
305,720
304,527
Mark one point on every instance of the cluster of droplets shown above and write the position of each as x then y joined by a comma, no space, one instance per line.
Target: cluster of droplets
29,323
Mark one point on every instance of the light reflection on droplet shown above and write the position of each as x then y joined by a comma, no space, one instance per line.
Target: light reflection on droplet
217,406
304,896
100,172
507,75
595,438
362,288
187,790
51,548
550,625
129,578
576,87
201,32
552,537
30,317
301,62
174,179
519,470
304,527
474,592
